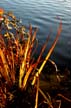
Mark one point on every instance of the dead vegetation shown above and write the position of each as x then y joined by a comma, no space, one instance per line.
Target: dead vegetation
19,72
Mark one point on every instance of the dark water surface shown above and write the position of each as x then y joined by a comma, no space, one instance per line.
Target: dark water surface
43,14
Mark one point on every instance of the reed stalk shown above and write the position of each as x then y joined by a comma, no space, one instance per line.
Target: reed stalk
17,61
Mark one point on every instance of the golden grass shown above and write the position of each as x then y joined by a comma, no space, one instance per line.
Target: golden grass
16,50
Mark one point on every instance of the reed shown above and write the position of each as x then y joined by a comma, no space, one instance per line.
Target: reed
17,64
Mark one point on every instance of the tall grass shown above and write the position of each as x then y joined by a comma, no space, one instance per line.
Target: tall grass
17,64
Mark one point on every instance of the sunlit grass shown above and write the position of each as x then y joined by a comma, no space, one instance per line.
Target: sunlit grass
17,65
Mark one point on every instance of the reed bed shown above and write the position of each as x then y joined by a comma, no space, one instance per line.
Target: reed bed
17,60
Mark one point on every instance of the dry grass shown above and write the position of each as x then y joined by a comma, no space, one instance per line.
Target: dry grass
16,60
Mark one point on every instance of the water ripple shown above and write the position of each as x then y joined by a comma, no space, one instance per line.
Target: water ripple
43,13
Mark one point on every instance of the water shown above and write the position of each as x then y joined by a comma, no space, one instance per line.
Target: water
43,14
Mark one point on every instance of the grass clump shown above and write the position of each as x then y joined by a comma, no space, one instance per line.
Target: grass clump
19,72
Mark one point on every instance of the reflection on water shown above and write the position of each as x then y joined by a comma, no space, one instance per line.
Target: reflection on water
43,14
